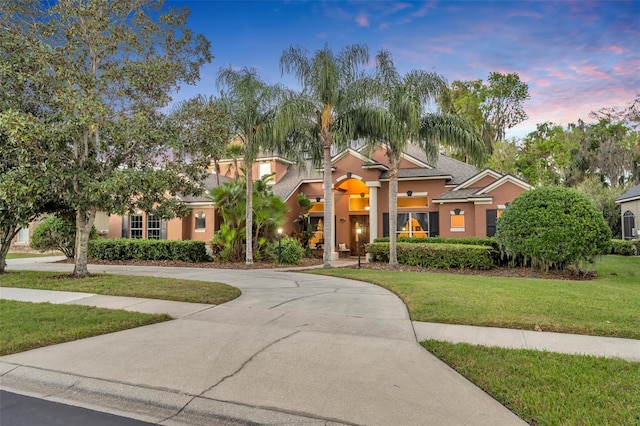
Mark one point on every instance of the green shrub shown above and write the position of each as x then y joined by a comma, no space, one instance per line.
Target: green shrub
474,241
56,233
624,247
290,252
553,228
447,256
127,249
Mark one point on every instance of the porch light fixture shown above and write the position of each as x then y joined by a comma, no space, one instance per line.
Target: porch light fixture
317,199
362,195
456,211
409,193
349,174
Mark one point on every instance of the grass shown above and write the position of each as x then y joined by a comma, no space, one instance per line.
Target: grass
545,388
121,285
25,326
21,255
606,306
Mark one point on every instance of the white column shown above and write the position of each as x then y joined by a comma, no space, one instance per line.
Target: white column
332,238
373,209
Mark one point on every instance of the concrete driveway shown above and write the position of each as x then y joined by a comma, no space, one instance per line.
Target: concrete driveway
294,348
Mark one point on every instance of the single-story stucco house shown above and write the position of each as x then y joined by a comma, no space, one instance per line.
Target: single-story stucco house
448,198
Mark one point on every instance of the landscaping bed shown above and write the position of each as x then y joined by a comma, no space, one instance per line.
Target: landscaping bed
215,265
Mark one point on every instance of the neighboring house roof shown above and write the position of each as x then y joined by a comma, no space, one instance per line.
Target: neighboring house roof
631,195
209,183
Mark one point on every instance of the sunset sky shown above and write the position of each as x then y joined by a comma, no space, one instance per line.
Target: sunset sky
576,56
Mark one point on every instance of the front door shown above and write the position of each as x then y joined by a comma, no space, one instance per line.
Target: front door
361,222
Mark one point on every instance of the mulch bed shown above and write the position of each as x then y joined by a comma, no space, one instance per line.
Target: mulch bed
518,272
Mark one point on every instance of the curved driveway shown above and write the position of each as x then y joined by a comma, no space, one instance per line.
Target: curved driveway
295,347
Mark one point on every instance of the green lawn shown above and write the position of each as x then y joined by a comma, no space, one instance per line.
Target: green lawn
121,285
606,306
545,388
25,326
21,255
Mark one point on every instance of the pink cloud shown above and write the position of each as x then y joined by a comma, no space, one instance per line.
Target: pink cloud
362,20
590,71
614,49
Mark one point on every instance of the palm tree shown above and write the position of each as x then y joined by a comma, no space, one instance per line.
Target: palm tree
399,103
235,151
252,105
324,110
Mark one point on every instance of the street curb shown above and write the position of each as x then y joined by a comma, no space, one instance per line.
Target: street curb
159,406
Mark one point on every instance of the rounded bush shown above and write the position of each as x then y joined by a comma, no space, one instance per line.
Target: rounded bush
553,228
55,233
290,252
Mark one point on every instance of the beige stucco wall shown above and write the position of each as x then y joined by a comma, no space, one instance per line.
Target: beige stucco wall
633,207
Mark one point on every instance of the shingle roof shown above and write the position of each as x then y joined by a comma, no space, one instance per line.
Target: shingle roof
294,177
462,194
631,194
209,183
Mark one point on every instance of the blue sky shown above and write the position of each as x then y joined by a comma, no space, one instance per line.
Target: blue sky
576,56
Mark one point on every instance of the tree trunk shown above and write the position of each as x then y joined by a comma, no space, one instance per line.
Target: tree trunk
7,235
249,214
84,223
328,200
393,212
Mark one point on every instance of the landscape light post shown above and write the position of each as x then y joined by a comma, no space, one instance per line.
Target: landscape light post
279,244
358,232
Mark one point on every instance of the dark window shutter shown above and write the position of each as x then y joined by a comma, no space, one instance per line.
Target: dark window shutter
434,224
385,224
492,217
125,226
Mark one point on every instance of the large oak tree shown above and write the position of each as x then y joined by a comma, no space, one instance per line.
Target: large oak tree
106,69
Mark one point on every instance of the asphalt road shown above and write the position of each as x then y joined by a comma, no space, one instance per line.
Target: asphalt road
20,410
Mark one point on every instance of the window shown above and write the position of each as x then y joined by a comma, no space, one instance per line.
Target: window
264,169
201,222
153,227
317,227
136,226
413,225
359,202
23,236
457,221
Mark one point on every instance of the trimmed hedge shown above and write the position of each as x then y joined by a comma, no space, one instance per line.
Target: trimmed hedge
127,249
474,241
446,256
625,247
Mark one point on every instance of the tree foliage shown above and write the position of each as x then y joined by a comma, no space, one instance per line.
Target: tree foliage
268,213
553,228
57,233
493,106
104,71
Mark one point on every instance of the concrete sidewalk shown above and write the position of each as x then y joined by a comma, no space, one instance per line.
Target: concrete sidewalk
294,348
610,347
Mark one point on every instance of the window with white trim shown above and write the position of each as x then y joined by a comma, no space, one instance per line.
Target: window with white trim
201,222
412,225
135,226
457,220
153,227
264,169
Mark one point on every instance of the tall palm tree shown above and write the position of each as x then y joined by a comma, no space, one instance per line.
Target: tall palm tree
401,102
252,105
325,109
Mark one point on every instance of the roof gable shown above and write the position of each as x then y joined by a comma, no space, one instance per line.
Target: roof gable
504,179
630,195
476,178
